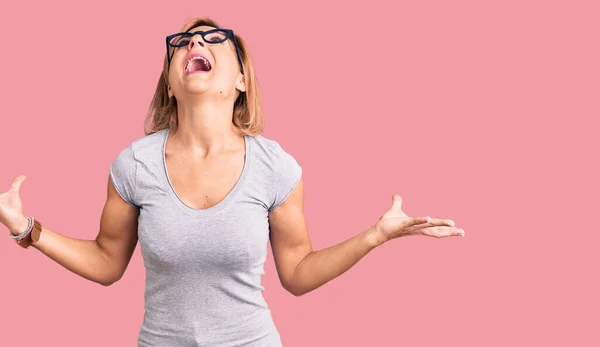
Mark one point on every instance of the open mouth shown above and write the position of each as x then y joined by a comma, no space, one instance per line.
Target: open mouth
197,63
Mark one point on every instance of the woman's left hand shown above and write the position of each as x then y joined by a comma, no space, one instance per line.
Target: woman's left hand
395,223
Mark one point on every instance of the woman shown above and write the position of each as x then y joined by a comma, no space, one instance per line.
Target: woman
204,192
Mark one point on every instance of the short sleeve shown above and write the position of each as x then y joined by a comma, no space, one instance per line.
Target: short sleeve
287,173
123,175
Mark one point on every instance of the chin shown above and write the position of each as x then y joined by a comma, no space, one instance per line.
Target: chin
196,87
202,90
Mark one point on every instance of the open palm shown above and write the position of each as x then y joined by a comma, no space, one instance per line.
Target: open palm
395,223
11,207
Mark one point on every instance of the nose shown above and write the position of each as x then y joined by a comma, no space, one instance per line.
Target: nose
196,40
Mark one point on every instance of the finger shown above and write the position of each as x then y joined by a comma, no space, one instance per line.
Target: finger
432,222
396,202
443,231
418,221
448,222
16,183
441,222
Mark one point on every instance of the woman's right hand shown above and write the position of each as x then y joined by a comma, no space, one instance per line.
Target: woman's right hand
11,208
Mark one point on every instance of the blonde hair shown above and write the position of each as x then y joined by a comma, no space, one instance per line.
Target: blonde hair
247,109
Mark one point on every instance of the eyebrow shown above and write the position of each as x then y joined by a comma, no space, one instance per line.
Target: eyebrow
200,31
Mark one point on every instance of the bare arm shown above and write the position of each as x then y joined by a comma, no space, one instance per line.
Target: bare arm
104,259
301,269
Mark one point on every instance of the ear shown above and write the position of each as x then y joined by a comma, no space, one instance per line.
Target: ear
170,92
241,85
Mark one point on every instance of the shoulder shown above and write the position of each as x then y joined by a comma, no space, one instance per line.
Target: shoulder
124,171
272,160
266,144
145,150
269,151
148,143
279,169
142,147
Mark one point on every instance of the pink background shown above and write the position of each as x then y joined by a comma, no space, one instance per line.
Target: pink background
482,112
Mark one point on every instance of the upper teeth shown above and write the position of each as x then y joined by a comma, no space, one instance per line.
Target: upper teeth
189,64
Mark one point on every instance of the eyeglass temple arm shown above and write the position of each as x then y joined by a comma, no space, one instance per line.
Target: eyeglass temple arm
237,51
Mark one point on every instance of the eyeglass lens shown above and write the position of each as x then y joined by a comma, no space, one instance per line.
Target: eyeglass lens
211,37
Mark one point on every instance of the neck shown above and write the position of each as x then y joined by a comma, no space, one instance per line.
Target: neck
206,127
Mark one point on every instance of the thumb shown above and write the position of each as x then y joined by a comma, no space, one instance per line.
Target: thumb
16,183
396,202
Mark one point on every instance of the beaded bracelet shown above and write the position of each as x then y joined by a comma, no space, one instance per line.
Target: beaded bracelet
24,234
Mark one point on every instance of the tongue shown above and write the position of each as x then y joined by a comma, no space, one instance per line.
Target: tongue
198,65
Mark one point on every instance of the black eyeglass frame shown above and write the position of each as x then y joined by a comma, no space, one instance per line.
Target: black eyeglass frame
228,35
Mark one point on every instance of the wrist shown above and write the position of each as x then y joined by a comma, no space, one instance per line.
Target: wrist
20,227
373,237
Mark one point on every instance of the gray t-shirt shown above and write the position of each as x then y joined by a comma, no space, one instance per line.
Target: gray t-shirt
204,267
